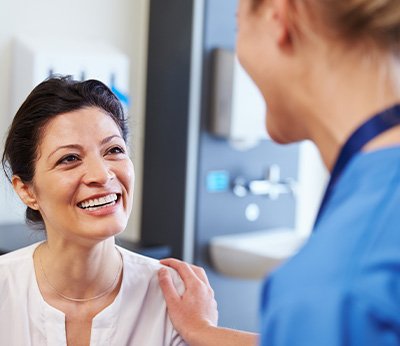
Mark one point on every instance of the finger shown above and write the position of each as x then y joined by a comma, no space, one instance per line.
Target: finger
201,273
167,286
170,262
184,270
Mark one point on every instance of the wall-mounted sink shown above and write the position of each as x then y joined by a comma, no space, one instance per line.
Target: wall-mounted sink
252,255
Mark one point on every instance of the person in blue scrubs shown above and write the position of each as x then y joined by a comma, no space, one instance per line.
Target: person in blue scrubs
329,71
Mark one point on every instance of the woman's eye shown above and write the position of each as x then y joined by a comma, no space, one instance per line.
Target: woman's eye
68,159
116,150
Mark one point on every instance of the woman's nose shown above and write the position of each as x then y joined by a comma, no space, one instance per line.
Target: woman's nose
98,172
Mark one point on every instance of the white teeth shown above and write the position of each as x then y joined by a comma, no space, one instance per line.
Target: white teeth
97,203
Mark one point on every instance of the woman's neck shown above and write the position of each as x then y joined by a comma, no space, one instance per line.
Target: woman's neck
79,271
348,96
330,137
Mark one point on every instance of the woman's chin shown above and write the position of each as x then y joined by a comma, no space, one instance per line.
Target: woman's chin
277,136
103,233
286,135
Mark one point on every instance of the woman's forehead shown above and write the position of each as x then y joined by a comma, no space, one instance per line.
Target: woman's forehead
87,124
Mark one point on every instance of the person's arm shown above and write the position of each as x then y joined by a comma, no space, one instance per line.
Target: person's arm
194,314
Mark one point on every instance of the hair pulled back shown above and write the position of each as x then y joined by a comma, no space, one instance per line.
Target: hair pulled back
50,98
377,21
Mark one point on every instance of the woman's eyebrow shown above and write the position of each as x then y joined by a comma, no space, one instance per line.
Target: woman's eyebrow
68,146
79,147
108,139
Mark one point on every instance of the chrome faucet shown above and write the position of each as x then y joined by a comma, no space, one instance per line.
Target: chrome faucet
272,186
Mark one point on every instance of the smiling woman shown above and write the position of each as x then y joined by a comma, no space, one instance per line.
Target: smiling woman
66,156
82,159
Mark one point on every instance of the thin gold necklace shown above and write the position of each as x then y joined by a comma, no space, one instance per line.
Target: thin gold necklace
81,300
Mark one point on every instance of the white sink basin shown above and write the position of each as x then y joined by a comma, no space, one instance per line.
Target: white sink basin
252,255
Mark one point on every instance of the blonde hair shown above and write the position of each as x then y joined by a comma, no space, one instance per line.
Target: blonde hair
376,21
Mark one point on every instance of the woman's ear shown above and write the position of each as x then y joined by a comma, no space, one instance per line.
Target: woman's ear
25,192
282,19
276,14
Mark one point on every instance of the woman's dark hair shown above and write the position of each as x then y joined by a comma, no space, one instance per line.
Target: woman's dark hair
50,98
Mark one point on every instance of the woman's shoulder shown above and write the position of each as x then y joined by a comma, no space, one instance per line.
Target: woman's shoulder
136,265
136,257
16,268
142,301
20,255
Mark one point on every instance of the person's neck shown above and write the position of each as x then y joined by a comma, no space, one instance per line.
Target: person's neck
348,96
331,137
79,271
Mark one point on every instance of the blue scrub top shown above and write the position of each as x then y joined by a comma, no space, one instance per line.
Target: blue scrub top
343,287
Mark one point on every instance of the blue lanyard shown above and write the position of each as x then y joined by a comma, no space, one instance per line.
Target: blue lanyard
373,127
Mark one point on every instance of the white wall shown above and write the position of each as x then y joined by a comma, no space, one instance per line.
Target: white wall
122,23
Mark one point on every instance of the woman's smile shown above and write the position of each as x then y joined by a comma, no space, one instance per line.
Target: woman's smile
98,201
101,205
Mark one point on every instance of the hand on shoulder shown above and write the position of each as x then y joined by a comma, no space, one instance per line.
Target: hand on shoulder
196,308
194,314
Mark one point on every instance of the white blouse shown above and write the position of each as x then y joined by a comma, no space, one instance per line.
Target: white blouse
138,315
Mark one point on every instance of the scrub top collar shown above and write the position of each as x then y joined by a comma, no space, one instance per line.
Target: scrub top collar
370,129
